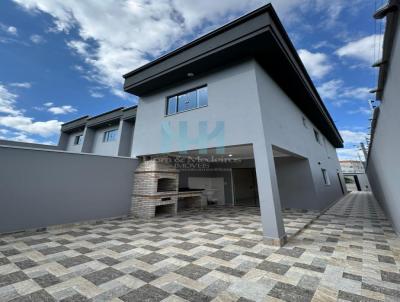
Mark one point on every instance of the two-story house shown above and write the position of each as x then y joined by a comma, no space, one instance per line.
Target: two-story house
237,113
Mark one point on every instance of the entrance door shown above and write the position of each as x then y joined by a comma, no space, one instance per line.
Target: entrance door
357,183
340,183
245,187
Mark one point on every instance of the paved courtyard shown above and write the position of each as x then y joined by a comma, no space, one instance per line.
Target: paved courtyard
350,253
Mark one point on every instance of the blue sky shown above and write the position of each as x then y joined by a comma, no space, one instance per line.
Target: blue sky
64,59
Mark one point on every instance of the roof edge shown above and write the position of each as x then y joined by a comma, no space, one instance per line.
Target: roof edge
75,120
207,36
105,113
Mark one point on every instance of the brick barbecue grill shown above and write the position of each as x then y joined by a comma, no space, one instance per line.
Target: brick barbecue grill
155,188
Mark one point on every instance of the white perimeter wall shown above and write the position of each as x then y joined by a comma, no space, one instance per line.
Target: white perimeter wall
384,159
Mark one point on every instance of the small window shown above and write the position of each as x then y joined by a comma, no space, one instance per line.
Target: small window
182,102
305,122
110,136
78,139
317,136
326,177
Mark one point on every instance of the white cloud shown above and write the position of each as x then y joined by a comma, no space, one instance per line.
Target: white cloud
365,49
21,85
317,63
28,125
96,94
360,93
330,90
118,36
361,110
338,93
352,140
37,39
22,137
16,120
48,104
353,137
61,109
350,154
7,101
12,30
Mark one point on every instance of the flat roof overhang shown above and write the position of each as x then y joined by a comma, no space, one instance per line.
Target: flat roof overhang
74,125
259,35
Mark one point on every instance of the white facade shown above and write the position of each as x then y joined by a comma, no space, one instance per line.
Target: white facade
71,145
103,147
254,110
383,166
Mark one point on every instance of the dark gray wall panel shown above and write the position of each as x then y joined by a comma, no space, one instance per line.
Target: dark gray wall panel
296,187
41,188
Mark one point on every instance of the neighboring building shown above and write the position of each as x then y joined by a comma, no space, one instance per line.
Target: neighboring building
110,133
383,164
354,175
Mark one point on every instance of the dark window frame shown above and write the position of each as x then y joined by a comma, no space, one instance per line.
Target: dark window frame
325,176
177,95
78,139
317,136
106,136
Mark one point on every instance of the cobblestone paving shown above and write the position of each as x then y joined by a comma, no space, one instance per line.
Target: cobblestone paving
348,254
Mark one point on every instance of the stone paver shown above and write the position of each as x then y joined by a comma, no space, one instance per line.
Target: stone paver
350,253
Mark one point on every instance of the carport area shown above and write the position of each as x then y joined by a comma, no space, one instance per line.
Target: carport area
230,178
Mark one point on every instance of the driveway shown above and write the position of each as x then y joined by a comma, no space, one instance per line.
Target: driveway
349,253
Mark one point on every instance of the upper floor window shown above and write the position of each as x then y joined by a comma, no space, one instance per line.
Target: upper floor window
110,136
317,136
189,100
78,139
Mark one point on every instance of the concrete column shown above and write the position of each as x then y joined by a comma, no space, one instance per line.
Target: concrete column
88,137
126,136
268,192
63,141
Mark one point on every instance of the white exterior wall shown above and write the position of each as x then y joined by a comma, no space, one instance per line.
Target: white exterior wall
236,95
384,161
71,147
232,98
105,148
283,126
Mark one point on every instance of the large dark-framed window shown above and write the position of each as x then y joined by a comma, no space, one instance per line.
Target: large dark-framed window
110,136
188,100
